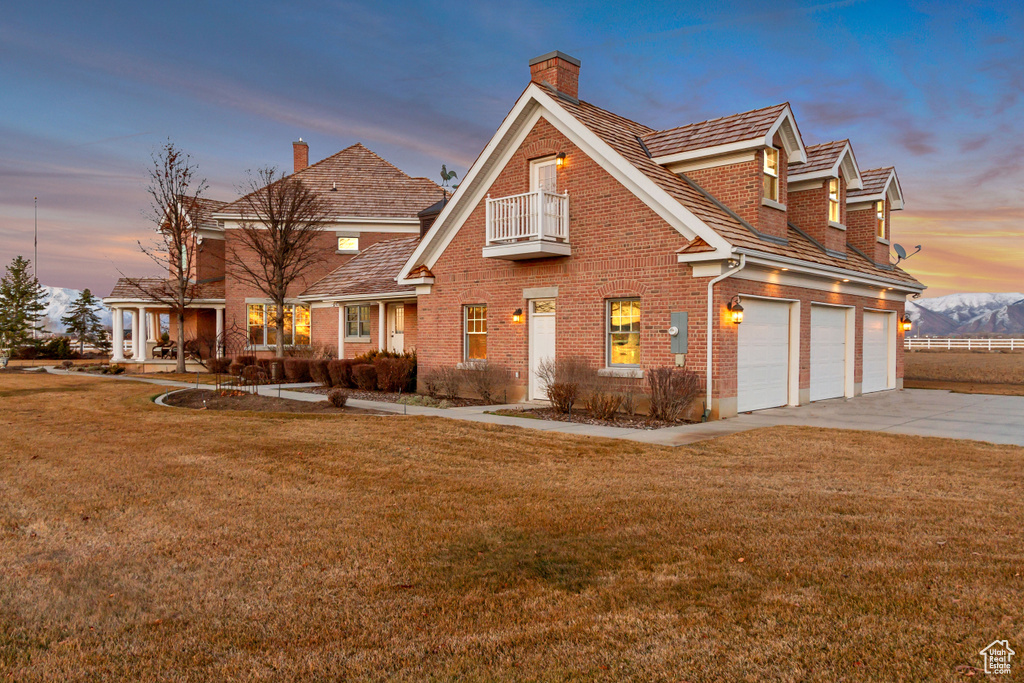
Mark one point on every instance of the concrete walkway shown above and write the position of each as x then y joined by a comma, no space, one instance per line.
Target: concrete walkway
921,412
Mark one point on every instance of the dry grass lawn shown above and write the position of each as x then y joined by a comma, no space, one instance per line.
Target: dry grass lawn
971,372
143,543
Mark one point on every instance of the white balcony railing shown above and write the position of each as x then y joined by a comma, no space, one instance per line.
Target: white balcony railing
539,215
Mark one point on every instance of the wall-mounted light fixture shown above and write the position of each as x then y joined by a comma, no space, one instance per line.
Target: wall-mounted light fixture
736,309
517,315
560,159
907,323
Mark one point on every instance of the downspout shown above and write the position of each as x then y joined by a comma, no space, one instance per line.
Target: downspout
711,307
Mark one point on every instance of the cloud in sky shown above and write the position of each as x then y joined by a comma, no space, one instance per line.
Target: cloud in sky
90,91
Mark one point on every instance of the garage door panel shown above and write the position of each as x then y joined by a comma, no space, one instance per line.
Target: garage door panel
878,328
762,358
828,352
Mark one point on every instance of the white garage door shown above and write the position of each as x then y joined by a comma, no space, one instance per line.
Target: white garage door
828,352
762,357
876,360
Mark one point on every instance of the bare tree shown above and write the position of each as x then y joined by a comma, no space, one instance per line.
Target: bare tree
277,240
174,193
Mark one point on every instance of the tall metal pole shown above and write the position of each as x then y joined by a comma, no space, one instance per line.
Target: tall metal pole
35,245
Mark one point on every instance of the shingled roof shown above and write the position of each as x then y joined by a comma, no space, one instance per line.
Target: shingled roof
819,158
358,183
132,289
374,271
624,136
721,131
875,180
204,210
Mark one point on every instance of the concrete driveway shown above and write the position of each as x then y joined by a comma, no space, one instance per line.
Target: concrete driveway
922,412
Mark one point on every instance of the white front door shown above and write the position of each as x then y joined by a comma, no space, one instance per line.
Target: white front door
828,352
878,359
396,328
762,355
542,342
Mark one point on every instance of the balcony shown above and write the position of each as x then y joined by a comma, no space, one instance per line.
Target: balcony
527,226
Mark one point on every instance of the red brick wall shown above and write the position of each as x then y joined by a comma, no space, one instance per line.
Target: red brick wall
808,210
323,324
411,326
209,260
740,187
861,232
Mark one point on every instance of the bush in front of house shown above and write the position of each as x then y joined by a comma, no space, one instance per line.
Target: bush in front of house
444,381
245,360
341,372
235,369
319,373
601,398
218,366
296,369
394,374
564,380
337,397
490,381
672,392
364,376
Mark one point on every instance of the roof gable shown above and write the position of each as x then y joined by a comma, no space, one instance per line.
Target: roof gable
878,184
747,130
374,271
358,183
825,161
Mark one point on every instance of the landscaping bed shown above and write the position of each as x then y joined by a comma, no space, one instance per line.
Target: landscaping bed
584,417
205,399
401,397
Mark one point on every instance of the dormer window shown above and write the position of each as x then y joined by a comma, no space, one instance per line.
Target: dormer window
833,200
880,220
771,174
348,245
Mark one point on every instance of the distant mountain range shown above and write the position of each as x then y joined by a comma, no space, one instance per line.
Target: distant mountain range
59,301
968,314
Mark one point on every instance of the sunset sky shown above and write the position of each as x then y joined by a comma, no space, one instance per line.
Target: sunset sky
88,93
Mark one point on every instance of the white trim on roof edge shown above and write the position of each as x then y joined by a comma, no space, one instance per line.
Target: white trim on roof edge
529,108
891,189
822,270
846,160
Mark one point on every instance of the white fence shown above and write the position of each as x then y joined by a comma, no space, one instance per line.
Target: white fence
539,215
952,343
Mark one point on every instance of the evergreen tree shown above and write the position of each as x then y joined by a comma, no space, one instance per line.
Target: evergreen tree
82,321
21,304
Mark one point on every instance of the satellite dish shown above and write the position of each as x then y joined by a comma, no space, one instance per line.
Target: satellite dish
900,251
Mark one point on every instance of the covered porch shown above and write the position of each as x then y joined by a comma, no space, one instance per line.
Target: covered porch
139,343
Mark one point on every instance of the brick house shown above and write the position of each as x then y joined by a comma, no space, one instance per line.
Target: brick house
371,202
578,232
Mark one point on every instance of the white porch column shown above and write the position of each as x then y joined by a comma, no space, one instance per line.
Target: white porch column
383,325
220,333
153,326
341,330
139,334
117,320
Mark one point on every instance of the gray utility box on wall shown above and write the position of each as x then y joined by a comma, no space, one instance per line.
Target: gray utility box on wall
680,321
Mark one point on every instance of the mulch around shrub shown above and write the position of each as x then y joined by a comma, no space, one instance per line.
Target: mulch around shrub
392,397
205,399
584,417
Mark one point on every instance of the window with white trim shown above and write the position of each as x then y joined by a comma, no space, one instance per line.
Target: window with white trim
475,332
880,219
771,174
357,322
833,200
348,244
623,332
261,324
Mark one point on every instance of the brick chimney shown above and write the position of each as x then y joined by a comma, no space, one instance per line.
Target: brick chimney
558,70
300,155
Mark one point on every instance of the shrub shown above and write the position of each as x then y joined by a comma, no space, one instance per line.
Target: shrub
601,399
67,364
365,376
341,372
116,369
393,374
245,360
254,374
296,369
337,397
218,366
444,381
235,369
319,373
489,380
629,401
564,380
274,367
672,392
